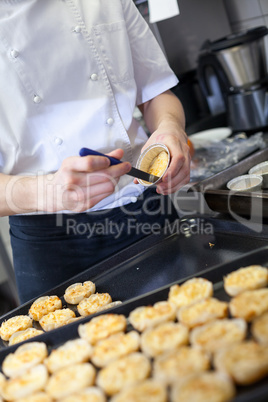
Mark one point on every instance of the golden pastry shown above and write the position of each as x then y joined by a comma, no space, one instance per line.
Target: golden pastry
14,324
192,290
79,291
122,372
246,278
93,303
145,317
101,327
44,305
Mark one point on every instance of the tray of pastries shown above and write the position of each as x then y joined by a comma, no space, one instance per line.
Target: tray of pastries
201,338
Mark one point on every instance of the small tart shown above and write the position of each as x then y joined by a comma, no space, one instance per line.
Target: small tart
204,387
21,336
219,333
31,381
145,317
69,380
163,338
117,345
26,356
202,311
178,364
93,303
79,291
123,372
56,319
249,304
245,278
245,362
70,353
102,327
44,305
14,324
193,290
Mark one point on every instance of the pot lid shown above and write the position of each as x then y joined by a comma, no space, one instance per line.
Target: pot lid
236,39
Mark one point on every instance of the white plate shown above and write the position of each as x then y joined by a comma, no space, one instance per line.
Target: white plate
213,135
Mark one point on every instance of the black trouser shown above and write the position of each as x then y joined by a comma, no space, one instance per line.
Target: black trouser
49,249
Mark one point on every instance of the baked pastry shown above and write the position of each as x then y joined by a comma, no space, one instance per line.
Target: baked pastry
163,338
56,319
249,304
178,364
117,345
79,291
70,353
159,164
30,382
259,328
204,387
44,305
21,336
202,311
145,317
26,356
245,362
71,379
93,303
147,390
123,372
14,324
219,333
89,394
245,278
101,327
192,290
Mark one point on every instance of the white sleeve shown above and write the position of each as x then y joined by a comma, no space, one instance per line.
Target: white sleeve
152,72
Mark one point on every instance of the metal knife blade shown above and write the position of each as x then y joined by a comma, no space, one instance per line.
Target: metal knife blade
134,172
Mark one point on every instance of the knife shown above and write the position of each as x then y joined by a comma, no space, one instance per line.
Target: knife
140,174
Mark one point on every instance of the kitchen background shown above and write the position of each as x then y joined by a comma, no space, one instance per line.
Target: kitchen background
181,38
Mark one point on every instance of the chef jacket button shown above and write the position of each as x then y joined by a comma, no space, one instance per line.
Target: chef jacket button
14,53
94,77
133,199
58,140
37,99
77,29
110,121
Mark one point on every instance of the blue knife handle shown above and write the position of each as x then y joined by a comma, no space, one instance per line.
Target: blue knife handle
87,151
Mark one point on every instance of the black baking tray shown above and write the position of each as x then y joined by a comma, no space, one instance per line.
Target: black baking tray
222,200
258,391
157,261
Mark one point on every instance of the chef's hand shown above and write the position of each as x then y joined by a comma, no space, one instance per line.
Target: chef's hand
80,183
178,172
164,116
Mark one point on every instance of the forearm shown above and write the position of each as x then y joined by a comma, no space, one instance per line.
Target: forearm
164,112
18,194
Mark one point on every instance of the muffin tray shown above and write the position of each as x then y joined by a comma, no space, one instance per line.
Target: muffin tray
220,199
258,391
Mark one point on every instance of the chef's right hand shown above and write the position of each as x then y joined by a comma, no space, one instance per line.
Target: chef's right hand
82,182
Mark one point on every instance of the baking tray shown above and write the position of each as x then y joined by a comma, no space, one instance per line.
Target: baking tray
156,261
220,199
258,392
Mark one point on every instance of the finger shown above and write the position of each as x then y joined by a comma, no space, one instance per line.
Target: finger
90,179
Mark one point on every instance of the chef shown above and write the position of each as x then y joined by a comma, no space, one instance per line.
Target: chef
72,73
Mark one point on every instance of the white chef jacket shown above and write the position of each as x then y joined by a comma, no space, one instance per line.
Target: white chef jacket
71,74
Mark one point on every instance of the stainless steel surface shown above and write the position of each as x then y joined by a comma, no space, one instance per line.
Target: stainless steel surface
247,182
244,64
261,169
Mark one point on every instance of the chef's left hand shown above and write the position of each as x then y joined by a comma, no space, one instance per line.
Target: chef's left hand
178,172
